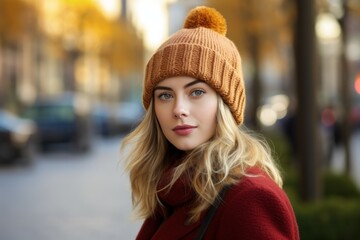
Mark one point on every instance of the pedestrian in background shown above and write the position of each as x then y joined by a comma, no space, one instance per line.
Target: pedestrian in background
195,171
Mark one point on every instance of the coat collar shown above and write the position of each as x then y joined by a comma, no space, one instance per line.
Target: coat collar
170,223
181,193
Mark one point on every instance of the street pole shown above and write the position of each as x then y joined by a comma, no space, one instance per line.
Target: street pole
306,116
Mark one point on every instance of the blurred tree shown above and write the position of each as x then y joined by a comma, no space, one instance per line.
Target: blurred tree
87,29
260,30
124,49
345,91
80,30
17,18
18,22
353,7
41,39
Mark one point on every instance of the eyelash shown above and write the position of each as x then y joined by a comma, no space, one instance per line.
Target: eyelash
166,96
162,95
198,90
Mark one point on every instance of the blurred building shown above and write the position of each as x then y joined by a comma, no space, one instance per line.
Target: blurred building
47,47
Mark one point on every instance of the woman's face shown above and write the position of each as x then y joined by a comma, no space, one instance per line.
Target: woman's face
186,109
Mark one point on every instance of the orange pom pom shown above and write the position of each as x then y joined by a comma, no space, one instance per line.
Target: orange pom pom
206,17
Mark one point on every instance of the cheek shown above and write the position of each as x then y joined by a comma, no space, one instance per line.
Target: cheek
160,113
209,112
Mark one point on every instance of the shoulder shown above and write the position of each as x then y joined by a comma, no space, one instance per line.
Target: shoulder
256,194
258,185
257,208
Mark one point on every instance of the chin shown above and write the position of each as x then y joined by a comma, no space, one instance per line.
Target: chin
184,147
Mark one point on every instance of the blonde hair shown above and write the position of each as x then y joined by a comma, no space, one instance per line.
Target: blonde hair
221,161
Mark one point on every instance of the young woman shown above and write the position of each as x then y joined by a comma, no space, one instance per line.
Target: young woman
191,145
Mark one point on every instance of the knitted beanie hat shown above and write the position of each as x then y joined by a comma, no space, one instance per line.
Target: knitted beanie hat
200,50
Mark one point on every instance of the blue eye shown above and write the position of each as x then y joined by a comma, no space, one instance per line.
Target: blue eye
164,96
197,93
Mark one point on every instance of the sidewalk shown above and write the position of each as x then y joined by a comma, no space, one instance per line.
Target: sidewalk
338,163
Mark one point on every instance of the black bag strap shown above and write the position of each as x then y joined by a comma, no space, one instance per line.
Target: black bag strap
210,214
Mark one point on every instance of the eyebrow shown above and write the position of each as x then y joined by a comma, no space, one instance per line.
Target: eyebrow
186,85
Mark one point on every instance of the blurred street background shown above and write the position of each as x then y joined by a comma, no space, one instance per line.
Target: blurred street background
68,196
71,75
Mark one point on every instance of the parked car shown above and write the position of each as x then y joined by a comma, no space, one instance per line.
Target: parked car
17,138
128,115
62,119
103,120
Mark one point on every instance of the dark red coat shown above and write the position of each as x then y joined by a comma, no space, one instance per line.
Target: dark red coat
255,208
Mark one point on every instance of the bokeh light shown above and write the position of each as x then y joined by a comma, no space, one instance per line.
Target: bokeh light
357,84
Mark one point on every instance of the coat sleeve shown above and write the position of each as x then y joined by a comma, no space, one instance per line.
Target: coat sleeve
258,212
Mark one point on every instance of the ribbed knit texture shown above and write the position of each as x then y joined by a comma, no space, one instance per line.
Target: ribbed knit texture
205,55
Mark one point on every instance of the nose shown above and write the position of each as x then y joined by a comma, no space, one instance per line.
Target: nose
181,108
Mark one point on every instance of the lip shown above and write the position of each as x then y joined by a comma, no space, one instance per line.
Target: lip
183,130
